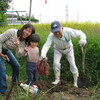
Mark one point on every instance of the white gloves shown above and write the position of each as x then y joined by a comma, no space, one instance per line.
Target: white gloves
82,42
43,56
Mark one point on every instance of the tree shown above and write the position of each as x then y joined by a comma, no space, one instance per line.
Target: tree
4,5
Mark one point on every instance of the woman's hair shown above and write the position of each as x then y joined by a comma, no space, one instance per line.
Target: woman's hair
20,32
33,38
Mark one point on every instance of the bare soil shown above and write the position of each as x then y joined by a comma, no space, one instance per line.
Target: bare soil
65,91
62,91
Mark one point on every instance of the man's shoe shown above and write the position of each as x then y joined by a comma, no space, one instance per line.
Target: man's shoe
56,82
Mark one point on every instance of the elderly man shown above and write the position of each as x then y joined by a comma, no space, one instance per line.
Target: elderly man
61,37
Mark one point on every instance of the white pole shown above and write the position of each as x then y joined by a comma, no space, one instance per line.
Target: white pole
78,15
12,11
66,13
30,11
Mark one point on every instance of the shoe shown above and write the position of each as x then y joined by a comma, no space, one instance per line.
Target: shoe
57,78
75,85
56,82
75,77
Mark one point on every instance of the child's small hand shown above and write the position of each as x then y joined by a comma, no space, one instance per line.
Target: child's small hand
26,49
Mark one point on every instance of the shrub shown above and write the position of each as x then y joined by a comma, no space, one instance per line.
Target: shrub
27,19
92,63
3,19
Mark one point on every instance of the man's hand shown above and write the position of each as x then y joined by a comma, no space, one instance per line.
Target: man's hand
43,57
82,42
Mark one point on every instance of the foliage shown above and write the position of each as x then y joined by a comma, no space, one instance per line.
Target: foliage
92,63
92,31
3,20
27,19
4,5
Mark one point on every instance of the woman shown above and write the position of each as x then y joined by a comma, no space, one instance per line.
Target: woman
12,39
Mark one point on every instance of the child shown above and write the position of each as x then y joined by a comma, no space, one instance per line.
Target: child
32,53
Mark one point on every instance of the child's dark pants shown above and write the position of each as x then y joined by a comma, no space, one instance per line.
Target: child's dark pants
31,72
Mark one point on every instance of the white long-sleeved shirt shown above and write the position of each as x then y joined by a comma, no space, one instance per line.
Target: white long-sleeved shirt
7,40
63,42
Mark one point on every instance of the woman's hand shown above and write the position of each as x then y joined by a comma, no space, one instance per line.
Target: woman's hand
5,57
17,42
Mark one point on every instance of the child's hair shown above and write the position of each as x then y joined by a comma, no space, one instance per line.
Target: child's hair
33,38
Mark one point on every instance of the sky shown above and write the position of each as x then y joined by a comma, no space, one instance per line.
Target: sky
62,10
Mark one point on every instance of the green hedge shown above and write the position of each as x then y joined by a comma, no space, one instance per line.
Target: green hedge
27,19
92,31
3,19
92,62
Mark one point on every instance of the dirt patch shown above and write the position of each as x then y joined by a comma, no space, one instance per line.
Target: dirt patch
45,85
62,91
65,91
